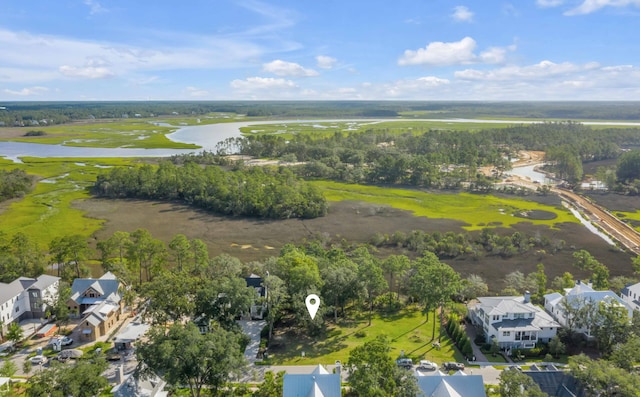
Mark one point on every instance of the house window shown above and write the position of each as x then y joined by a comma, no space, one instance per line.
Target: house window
496,318
506,333
17,309
519,315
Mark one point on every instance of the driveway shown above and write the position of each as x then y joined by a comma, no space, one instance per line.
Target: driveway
252,328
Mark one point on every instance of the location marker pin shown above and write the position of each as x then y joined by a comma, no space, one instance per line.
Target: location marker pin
313,303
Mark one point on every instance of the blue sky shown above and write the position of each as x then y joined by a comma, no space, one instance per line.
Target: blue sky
320,50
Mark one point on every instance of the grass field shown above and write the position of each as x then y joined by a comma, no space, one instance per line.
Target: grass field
134,133
406,330
475,210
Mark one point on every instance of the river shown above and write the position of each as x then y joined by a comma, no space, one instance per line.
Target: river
208,136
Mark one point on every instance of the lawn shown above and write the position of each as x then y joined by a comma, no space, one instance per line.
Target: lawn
406,330
476,210
632,218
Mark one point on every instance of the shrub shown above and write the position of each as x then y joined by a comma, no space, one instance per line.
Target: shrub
264,332
480,340
35,133
360,334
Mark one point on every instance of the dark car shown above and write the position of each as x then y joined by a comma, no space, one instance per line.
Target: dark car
451,366
406,363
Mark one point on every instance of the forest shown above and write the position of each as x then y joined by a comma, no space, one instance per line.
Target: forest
14,183
27,114
262,192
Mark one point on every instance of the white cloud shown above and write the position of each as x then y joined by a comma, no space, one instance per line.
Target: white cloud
589,6
196,92
542,70
95,7
286,69
453,53
326,62
86,72
549,3
262,83
31,91
462,14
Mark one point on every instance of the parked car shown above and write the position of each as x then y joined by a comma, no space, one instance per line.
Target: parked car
449,366
406,363
66,341
426,365
38,360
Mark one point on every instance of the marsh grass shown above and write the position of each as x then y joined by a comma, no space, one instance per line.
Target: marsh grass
47,211
477,211
136,133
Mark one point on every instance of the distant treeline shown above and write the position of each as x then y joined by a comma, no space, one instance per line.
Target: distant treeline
433,158
264,192
33,113
14,183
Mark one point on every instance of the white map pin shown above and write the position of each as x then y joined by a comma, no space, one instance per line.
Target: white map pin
313,303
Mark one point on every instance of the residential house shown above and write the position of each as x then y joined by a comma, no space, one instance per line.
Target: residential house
319,383
98,302
456,385
631,295
257,307
513,321
555,382
26,298
578,296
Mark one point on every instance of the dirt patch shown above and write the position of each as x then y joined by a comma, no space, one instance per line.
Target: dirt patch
537,215
251,239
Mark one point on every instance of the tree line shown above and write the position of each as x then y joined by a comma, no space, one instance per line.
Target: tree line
14,183
264,192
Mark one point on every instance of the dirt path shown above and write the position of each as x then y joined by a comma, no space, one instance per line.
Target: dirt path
600,216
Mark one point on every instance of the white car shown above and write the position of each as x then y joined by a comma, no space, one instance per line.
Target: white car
426,365
38,360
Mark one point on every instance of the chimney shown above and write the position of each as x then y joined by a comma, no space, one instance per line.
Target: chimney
527,296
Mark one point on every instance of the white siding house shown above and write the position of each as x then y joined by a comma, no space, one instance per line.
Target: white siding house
631,295
513,321
26,298
578,296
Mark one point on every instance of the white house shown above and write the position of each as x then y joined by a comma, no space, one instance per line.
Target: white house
26,298
513,321
631,295
457,385
581,294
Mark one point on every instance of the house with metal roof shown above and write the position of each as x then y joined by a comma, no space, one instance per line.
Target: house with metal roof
319,383
582,294
456,385
98,302
513,321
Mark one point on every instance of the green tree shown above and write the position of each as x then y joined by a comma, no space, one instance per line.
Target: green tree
556,347
146,253
372,372
170,304
394,266
474,286
272,385
8,369
541,283
276,295
434,283
185,357
372,281
603,378
340,281
628,167
625,355
180,250
14,332
514,383
83,379
58,304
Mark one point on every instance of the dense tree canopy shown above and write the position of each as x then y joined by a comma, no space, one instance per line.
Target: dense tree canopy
185,357
629,166
14,183
255,191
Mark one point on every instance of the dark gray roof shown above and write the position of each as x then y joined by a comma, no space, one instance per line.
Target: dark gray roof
557,383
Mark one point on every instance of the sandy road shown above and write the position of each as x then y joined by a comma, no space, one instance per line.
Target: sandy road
600,216
608,222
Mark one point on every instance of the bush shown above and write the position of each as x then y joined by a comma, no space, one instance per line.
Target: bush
480,340
264,332
360,334
35,133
